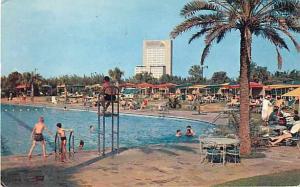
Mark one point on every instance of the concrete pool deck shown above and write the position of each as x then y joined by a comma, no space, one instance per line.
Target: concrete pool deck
166,165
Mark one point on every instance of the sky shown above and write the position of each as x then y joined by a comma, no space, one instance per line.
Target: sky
59,37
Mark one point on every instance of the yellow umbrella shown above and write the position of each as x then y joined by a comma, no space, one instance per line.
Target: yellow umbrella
293,93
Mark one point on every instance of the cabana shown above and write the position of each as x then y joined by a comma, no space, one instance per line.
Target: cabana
164,88
279,89
256,89
70,89
130,93
46,90
93,90
197,89
146,88
183,88
213,89
127,85
23,88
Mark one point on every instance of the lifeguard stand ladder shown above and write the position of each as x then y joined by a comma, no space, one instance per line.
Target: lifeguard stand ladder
103,116
57,146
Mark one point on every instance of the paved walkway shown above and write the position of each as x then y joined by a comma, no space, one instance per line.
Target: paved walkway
167,165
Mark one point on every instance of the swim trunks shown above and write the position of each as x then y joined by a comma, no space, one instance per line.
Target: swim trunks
38,137
108,97
63,138
81,143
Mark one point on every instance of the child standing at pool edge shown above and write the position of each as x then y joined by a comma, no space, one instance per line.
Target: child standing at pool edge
63,138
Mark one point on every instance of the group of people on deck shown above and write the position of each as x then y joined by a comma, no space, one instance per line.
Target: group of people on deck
276,114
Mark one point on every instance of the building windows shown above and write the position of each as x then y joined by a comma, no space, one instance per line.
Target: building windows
157,58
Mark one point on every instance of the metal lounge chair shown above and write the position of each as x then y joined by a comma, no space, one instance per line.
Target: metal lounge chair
295,140
214,154
233,154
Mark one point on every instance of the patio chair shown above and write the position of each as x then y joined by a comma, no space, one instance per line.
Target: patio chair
233,154
290,104
214,154
295,140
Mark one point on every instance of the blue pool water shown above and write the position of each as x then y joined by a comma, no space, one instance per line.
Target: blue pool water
17,122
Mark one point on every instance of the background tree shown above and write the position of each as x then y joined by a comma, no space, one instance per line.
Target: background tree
220,77
196,73
13,80
295,75
116,74
143,77
172,79
259,73
215,18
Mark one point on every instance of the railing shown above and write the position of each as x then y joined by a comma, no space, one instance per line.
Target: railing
58,148
71,144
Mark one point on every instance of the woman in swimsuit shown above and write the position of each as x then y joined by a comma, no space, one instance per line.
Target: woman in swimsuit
63,138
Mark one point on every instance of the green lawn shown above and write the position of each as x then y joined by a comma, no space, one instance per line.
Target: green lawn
288,178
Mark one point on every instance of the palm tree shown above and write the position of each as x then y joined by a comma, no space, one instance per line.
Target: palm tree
116,74
196,73
267,18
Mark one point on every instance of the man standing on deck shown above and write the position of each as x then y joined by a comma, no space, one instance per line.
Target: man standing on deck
37,136
266,109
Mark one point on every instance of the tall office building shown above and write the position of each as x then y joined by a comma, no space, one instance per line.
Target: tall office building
157,58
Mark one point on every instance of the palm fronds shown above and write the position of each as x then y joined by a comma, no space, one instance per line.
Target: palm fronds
214,18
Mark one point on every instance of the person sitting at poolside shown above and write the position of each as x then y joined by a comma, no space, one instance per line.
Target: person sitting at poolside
63,138
178,133
144,104
37,136
189,131
282,120
109,94
233,101
274,117
287,134
123,103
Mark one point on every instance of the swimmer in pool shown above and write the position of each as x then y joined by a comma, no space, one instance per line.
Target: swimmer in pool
92,128
178,133
63,138
37,136
81,144
189,131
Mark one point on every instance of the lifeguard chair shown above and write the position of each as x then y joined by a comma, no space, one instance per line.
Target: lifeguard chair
105,115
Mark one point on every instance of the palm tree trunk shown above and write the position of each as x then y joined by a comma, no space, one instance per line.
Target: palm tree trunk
245,59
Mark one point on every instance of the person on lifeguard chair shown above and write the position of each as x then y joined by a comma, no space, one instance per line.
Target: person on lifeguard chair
109,93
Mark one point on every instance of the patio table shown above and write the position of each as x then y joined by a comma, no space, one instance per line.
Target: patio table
218,141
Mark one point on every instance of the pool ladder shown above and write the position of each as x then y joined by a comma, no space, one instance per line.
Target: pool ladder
103,116
71,146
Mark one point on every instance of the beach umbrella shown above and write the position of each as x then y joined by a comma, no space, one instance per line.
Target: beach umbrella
294,93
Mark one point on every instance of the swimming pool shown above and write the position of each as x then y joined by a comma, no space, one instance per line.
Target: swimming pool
17,122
